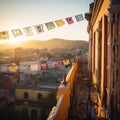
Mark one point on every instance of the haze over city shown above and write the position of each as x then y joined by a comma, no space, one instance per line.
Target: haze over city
59,59
42,44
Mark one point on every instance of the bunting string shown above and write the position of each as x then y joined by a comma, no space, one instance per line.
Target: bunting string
4,35
34,66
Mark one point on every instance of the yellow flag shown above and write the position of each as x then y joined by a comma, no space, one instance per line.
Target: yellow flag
59,23
4,35
66,62
13,68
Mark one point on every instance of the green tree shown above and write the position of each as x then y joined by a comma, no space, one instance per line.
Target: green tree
46,104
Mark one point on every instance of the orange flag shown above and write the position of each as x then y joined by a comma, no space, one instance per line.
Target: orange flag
13,68
59,23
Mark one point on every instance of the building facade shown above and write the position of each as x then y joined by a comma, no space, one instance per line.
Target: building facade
36,100
104,54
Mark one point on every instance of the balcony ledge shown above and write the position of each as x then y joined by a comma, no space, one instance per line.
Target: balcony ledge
56,108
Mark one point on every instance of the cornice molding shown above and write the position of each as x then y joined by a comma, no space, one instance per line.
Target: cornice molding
96,9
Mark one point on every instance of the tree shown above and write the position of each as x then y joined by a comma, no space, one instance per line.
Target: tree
46,105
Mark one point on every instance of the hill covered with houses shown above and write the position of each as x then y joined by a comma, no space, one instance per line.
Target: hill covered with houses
50,44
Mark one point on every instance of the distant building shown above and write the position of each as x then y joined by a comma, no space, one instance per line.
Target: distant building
9,80
104,53
32,97
3,98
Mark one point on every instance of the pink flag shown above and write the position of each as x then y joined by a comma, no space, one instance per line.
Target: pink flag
77,58
59,63
69,20
43,66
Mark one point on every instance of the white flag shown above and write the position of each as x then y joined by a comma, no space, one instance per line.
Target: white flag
28,31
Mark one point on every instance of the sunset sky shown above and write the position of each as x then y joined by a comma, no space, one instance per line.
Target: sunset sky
17,14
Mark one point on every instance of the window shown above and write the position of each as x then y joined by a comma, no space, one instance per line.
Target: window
34,114
39,96
26,95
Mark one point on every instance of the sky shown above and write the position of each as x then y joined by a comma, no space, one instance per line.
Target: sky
17,14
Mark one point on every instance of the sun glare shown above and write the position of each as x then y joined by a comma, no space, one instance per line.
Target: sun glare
11,41
14,41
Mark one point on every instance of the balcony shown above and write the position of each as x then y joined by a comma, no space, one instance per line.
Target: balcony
64,94
73,99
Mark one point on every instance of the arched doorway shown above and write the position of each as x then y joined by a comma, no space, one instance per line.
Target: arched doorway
34,114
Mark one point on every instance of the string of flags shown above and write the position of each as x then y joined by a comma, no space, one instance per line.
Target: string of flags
33,66
4,35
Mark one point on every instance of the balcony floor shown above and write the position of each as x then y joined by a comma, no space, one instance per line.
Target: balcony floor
81,105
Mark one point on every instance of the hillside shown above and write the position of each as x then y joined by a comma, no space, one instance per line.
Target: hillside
53,43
